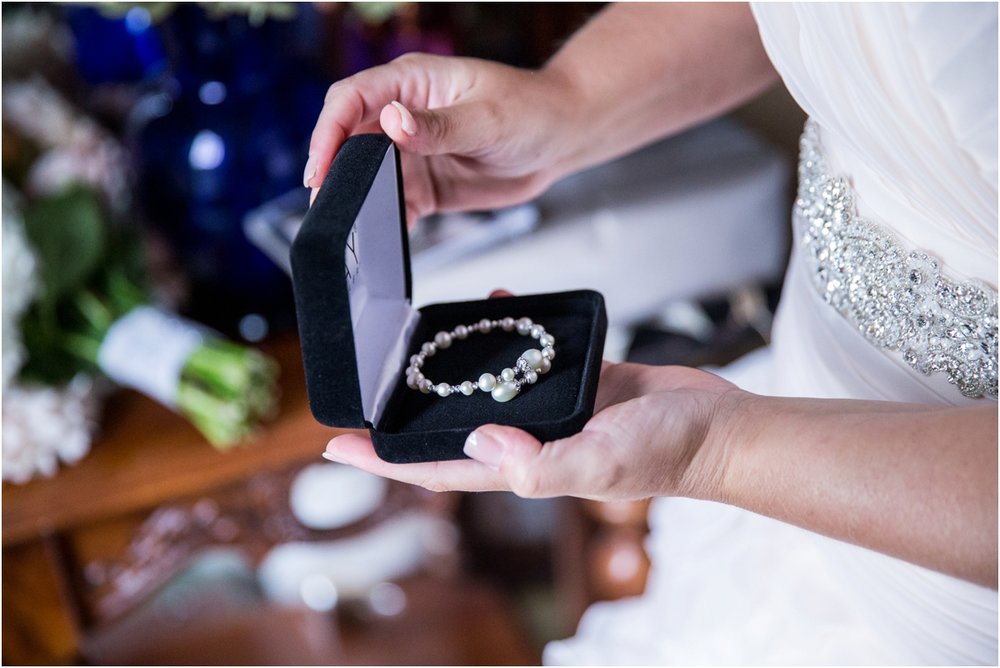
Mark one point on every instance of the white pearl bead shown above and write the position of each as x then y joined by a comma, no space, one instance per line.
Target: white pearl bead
485,325
467,388
549,353
443,389
416,360
536,331
442,339
507,324
425,386
533,357
487,382
531,377
411,381
504,391
524,326
507,374
547,340
545,366
461,332
428,349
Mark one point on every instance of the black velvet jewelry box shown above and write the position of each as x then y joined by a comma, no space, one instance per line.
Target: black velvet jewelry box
351,276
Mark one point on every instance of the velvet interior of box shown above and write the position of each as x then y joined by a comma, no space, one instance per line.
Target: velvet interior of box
350,269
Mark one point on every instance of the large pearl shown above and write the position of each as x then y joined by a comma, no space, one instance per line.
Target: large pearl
533,357
505,391
442,340
487,382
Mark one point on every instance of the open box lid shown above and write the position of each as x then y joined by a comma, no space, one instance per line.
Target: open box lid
351,276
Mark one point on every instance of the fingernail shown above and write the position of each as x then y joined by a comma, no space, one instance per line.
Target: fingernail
332,457
484,448
310,171
405,119
312,196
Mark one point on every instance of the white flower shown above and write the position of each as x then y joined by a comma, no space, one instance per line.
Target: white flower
38,112
20,283
75,148
43,426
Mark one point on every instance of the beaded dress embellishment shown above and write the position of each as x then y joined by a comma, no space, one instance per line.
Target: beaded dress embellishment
898,300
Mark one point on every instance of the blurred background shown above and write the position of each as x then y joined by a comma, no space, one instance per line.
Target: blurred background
164,501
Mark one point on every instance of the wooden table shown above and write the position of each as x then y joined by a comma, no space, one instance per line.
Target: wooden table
87,545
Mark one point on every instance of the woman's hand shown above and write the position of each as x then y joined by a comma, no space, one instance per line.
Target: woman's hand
473,134
647,438
476,134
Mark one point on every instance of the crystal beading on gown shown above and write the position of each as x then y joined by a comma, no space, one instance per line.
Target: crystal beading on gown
903,98
898,300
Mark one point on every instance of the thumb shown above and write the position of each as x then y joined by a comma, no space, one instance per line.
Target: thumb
575,466
456,129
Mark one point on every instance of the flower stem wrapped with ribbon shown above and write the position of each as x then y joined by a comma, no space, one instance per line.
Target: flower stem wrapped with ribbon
91,314
90,311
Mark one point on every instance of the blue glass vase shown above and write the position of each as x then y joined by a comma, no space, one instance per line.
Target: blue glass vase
227,131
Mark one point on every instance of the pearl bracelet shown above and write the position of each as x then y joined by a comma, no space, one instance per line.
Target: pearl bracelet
509,382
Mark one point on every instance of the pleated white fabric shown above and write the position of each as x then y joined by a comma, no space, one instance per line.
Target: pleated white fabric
905,96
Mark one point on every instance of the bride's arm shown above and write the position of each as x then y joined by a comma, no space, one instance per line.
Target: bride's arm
915,482
639,71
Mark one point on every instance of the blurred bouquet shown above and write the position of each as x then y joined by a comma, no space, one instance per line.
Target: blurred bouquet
75,307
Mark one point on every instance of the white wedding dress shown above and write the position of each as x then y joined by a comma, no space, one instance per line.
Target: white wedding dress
903,105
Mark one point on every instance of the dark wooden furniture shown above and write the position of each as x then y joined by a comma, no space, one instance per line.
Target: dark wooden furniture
84,548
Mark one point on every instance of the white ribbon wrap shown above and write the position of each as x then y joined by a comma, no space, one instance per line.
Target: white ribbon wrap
146,349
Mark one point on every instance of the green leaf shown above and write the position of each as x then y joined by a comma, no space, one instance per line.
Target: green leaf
68,233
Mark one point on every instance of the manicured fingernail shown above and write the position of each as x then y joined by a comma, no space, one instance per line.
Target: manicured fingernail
310,172
483,448
332,457
405,119
312,196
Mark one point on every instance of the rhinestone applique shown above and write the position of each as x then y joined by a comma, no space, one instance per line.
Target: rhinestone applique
898,300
